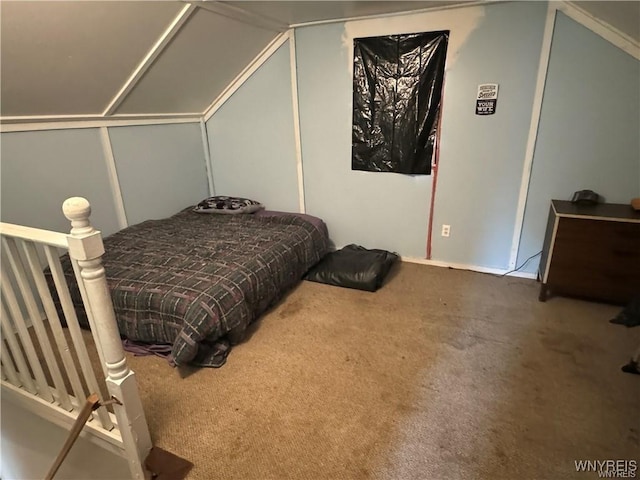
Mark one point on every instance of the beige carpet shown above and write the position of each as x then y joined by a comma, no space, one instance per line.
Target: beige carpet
442,374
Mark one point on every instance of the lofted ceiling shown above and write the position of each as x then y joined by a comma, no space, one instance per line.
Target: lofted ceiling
624,16
298,13
117,59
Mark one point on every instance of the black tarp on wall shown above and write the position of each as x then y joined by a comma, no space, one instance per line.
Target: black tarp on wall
397,88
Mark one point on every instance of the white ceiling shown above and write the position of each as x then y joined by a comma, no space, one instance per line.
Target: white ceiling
116,58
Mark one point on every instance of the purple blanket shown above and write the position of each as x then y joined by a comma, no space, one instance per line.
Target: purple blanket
196,281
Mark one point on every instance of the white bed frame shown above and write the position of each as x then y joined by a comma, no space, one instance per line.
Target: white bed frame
27,301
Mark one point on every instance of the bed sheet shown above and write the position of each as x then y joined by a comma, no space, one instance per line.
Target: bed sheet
196,281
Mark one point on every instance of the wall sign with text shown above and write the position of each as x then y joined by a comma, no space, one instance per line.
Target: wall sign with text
487,99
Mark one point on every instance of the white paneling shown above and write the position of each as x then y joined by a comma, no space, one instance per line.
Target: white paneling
114,182
296,118
545,51
67,58
197,66
161,169
207,157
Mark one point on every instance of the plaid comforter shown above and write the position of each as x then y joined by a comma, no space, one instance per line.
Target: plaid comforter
197,281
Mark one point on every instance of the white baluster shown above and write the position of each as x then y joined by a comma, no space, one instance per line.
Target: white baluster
85,246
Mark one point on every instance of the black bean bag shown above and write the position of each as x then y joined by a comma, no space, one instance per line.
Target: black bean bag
353,267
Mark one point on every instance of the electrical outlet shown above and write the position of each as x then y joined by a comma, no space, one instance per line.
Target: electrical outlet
446,230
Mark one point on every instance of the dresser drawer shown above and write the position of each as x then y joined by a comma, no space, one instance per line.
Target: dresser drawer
592,257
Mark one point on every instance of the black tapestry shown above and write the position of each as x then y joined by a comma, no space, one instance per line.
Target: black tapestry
397,89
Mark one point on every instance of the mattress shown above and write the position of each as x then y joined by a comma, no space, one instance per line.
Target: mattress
197,281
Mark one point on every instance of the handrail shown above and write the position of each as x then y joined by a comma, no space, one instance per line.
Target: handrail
54,239
85,248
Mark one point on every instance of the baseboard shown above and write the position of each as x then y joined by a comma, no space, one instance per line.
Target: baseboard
474,268
460,266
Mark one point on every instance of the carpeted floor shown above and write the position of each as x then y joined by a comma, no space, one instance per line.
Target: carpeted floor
442,374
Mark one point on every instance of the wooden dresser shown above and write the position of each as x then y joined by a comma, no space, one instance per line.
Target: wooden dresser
591,252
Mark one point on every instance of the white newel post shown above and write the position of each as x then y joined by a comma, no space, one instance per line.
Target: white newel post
85,246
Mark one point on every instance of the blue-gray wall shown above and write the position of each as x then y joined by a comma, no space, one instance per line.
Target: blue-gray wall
40,170
376,210
481,158
161,169
588,138
252,141
589,128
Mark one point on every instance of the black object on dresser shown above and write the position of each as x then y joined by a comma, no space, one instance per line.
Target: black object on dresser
592,252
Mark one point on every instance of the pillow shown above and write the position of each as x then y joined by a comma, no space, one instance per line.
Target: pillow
228,205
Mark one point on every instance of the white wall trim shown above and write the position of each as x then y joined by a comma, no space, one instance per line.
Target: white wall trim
536,110
9,120
396,14
296,118
602,28
113,177
44,118
474,268
556,223
207,157
125,116
96,123
164,40
237,82
241,15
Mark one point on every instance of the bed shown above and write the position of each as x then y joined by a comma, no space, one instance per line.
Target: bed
195,281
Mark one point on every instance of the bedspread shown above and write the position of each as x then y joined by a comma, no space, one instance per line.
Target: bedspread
196,281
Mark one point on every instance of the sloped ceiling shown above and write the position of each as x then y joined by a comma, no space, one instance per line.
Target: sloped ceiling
115,59
296,13
197,65
73,58
625,16
66,58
